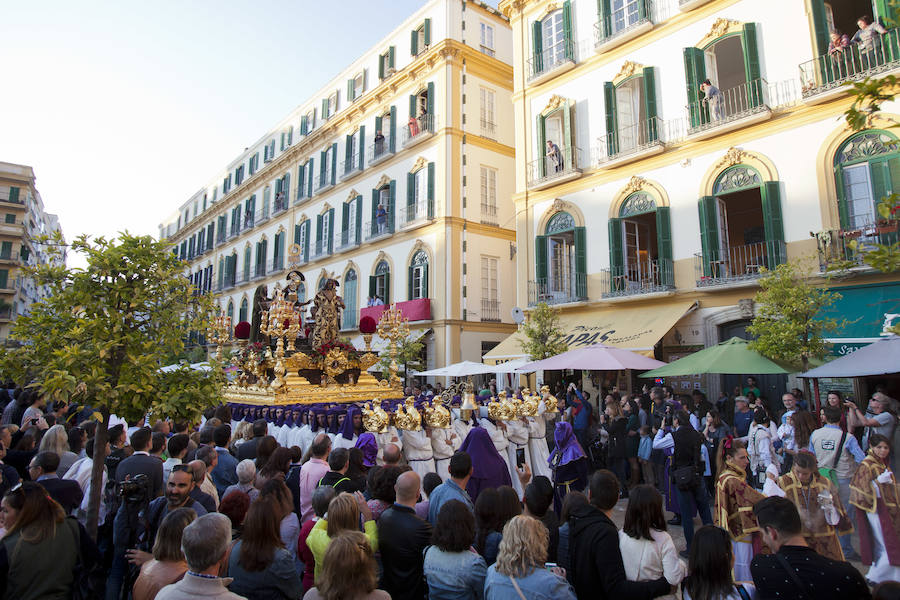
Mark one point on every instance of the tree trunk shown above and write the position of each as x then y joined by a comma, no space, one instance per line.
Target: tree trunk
96,497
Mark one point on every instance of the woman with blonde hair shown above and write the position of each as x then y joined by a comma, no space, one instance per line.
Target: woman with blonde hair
348,571
519,571
168,564
57,440
343,514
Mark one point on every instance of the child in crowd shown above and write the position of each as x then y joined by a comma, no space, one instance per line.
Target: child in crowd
645,447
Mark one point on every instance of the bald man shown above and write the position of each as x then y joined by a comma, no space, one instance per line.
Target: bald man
402,537
392,455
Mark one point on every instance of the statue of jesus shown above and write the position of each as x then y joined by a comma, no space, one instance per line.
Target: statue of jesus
326,314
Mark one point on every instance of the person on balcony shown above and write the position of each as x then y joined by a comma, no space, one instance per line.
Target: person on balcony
869,40
413,126
381,218
713,99
379,142
555,156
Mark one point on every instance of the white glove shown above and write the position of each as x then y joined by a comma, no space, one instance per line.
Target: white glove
884,477
773,470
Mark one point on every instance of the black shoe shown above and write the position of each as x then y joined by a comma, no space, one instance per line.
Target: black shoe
674,521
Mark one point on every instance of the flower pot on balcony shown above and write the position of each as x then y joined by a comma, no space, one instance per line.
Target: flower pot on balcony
852,234
886,226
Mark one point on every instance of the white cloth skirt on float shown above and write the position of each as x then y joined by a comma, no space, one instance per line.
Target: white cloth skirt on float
881,569
743,554
537,447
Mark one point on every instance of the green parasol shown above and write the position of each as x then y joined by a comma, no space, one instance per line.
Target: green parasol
731,357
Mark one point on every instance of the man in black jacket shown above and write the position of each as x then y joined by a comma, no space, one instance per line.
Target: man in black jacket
248,449
142,463
65,491
687,469
596,570
402,537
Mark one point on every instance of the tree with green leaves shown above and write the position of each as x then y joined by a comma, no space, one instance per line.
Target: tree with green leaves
789,326
104,331
543,334
409,358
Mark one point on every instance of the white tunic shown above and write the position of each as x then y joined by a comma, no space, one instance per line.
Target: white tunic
391,436
281,435
444,442
517,434
341,442
307,435
537,446
462,429
418,452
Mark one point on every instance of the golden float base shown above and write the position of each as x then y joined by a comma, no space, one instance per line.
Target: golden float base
298,390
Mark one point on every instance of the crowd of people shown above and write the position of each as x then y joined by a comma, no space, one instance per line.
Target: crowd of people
513,497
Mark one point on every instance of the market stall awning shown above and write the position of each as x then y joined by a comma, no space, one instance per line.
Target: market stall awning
867,309
635,328
597,357
460,369
880,358
731,357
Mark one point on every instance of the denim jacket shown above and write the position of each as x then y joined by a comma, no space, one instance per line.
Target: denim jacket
454,575
540,584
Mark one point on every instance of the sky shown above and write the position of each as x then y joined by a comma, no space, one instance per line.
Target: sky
126,108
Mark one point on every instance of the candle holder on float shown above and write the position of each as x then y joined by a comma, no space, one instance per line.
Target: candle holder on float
393,327
280,320
219,333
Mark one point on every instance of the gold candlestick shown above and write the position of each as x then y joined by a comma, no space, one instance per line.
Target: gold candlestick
393,327
219,333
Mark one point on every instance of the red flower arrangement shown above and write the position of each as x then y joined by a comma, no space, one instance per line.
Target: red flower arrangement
327,347
242,330
367,325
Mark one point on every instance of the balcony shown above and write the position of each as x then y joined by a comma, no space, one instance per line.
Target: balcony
12,229
731,109
379,228
4,197
259,270
551,62
490,311
552,170
823,78
417,130
488,129
220,239
646,277
10,259
628,144
741,263
320,249
415,214
412,310
846,249
569,287
324,183
347,239
686,5
261,215
280,205
489,214
625,24
351,168
380,150
6,314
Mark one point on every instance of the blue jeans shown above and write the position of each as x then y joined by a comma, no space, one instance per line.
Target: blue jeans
687,500
844,494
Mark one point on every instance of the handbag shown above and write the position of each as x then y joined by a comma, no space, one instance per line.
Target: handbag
685,477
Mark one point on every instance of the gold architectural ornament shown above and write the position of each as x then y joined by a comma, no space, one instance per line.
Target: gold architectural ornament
635,184
420,163
628,69
734,156
719,28
559,205
550,401
374,418
352,196
550,8
385,180
325,208
555,102
437,416
294,251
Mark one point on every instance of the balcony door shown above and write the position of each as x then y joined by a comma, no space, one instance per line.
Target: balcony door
561,260
866,169
640,246
639,250
630,112
553,38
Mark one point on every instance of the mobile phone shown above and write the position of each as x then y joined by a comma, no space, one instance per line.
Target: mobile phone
520,457
550,565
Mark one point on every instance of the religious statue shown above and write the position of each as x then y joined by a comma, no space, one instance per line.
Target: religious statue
291,293
260,304
326,314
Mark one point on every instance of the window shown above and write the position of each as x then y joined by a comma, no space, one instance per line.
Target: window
383,210
278,254
617,16
325,232
350,297
230,311
262,248
552,43
386,126
330,106
226,187
386,64
487,102
305,179
244,312
490,292
282,192
488,195
287,138
487,39
867,168
254,166
356,86
6,250
238,180
301,238
380,283
247,261
560,261
420,194
631,122
420,38
10,218
308,122
353,151
4,278
418,276
351,226
328,167
269,151
640,247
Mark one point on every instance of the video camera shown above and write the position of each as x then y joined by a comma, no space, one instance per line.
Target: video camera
135,490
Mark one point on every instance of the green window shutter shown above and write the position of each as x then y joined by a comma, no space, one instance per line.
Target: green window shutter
350,90
378,125
604,17
309,174
664,245
4,278
429,107
347,148
290,135
414,42
325,114
409,283
612,129
322,168
345,219
616,254
567,30
13,194
333,163
286,187
247,263
842,197
387,288
304,125
542,143
410,195
412,106
425,280
709,233
373,226
391,57
427,32
331,233
581,262
319,231
301,180
751,64
695,74
391,219
381,60
372,285
297,234
362,146
359,203
306,241
537,56
221,272
773,223
393,137
648,82
430,195
540,259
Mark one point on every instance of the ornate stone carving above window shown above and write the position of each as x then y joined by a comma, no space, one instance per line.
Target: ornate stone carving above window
737,178
561,221
865,146
637,203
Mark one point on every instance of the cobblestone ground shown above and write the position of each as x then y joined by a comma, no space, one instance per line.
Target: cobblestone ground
677,532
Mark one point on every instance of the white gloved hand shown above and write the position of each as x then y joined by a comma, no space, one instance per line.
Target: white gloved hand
884,477
772,470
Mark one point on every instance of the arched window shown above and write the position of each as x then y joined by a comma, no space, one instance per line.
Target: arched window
230,311
640,247
418,276
866,169
350,300
244,311
561,263
630,114
380,283
553,43
261,250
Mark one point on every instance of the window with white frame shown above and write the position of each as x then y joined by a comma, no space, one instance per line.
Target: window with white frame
359,82
487,103
487,39
418,273
488,195
332,104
